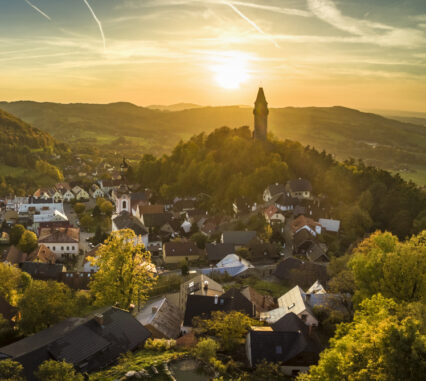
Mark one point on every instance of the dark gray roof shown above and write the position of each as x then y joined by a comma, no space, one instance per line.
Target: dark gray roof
289,348
290,323
303,238
238,237
126,221
217,251
156,219
294,271
299,185
90,343
276,188
42,270
203,305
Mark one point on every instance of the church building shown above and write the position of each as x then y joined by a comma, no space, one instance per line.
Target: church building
260,112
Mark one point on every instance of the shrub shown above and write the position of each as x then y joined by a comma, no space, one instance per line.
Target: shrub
206,349
160,345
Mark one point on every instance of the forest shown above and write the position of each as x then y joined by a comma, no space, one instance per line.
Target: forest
228,164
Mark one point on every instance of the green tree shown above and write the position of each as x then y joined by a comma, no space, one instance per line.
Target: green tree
377,345
28,242
11,371
382,264
79,207
230,328
125,273
12,282
87,222
200,240
206,349
52,370
16,233
43,304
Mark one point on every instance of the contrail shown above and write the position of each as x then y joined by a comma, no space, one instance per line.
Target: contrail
97,21
38,10
252,23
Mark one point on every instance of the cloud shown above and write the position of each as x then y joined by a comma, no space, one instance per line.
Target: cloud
285,11
367,31
251,22
38,10
97,21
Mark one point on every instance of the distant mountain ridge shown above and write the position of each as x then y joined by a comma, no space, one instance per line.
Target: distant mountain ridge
384,142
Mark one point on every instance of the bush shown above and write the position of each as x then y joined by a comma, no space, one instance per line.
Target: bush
206,349
11,371
52,370
160,345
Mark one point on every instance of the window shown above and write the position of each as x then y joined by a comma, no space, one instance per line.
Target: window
278,349
62,248
291,306
53,248
68,248
124,204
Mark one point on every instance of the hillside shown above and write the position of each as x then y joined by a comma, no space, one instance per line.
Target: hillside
28,156
124,127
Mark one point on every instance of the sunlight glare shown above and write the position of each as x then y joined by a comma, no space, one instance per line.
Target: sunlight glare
231,70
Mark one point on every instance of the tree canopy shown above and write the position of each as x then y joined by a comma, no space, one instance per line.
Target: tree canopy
52,370
125,273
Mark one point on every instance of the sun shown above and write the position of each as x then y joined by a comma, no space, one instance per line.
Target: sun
230,71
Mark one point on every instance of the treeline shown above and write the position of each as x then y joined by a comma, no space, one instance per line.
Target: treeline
228,164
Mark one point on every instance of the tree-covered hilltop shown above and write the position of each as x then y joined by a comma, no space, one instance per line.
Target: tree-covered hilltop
228,164
28,156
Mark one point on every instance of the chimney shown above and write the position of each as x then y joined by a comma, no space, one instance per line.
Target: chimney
216,299
154,310
99,318
206,285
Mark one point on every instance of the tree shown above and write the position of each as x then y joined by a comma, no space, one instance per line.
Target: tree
377,345
28,242
12,282
52,370
382,264
16,233
43,304
125,273
206,349
200,240
79,207
184,267
87,222
11,371
230,328
105,206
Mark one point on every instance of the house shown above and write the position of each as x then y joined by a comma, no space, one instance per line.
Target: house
300,188
198,285
10,217
89,344
330,225
307,223
186,226
203,306
43,271
80,194
41,254
107,185
238,238
64,242
273,215
95,191
178,251
241,206
138,200
295,271
43,193
233,265
262,302
4,238
217,251
285,202
317,253
209,226
161,318
316,288
302,241
296,351
155,220
126,221
272,191
87,266
264,252
183,205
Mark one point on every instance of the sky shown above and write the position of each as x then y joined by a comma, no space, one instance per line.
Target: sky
367,54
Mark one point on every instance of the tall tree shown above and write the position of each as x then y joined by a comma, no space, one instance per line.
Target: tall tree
12,282
43,304
377,345
125,273
16,233
381,263
28,242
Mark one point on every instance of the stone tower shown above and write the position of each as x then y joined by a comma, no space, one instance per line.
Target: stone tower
260,112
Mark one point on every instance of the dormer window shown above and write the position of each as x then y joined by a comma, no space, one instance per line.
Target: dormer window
291,306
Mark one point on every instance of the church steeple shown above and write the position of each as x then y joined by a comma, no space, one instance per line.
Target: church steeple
260,112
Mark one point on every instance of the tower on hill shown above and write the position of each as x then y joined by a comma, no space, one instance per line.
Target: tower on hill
260,112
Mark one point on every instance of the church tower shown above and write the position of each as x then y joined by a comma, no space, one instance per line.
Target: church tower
260,112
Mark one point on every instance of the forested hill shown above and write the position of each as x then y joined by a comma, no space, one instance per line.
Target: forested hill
228,164
27,156
383,142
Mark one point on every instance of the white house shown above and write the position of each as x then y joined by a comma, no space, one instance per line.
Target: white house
300,188
273,190
64,242
68,196
95,191
80,193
